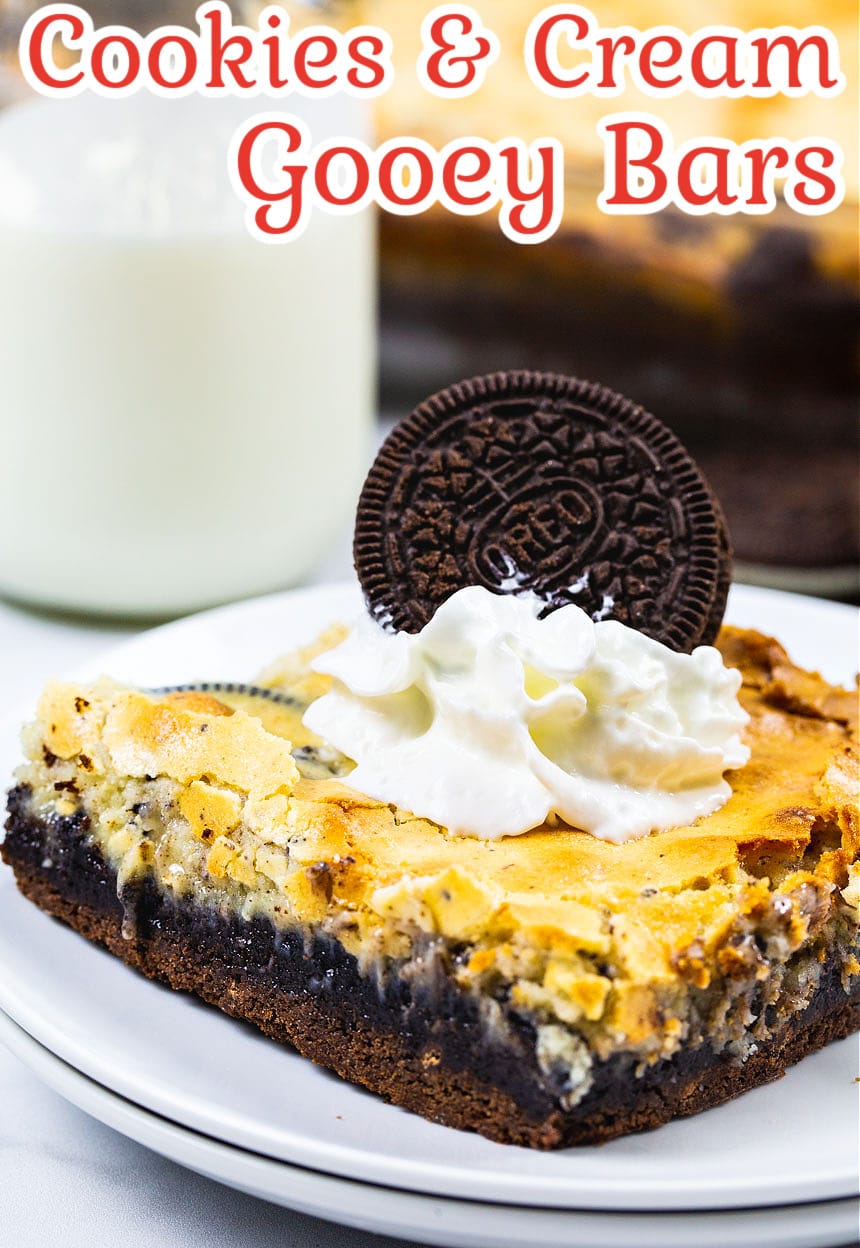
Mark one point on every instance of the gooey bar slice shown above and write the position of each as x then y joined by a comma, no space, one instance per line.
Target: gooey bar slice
544,990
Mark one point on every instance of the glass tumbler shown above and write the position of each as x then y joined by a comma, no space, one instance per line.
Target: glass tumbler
186,412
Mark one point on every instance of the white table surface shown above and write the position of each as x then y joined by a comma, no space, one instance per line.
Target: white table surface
64,1178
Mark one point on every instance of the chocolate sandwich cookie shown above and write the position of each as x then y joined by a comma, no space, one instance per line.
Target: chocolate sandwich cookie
537,483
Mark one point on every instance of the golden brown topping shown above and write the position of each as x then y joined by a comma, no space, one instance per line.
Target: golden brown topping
581,928
198,703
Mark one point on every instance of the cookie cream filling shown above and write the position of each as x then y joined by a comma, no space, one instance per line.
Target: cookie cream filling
492,721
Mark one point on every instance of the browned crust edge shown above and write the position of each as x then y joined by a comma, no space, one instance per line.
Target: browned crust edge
383,1062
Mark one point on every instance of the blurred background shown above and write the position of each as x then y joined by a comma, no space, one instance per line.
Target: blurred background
739,332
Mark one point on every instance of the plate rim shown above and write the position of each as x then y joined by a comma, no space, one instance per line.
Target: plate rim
111,1109
742,597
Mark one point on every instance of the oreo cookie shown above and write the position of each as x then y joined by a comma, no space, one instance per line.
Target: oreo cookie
537,483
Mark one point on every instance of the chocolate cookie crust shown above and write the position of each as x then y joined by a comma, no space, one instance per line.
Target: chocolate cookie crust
540,483
431,1056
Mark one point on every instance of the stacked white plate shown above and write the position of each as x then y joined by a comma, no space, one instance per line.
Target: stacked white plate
778,1166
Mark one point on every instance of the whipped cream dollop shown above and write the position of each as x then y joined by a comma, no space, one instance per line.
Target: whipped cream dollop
492,721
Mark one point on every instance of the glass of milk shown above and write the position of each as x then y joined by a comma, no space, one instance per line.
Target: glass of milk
185,413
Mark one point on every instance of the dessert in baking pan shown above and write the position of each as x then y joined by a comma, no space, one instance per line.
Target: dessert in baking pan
742,332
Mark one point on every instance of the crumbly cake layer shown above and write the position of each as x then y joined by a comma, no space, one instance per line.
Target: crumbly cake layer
639,949
423,1045
577,969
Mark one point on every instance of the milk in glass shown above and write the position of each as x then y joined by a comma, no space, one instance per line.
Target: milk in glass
184,411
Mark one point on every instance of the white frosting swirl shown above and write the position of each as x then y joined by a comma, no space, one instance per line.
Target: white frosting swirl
491,721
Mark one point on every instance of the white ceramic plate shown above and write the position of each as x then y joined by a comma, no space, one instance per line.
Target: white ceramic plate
795,1141
434,1220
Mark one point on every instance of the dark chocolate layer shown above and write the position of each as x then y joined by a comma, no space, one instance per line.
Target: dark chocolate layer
421,1045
